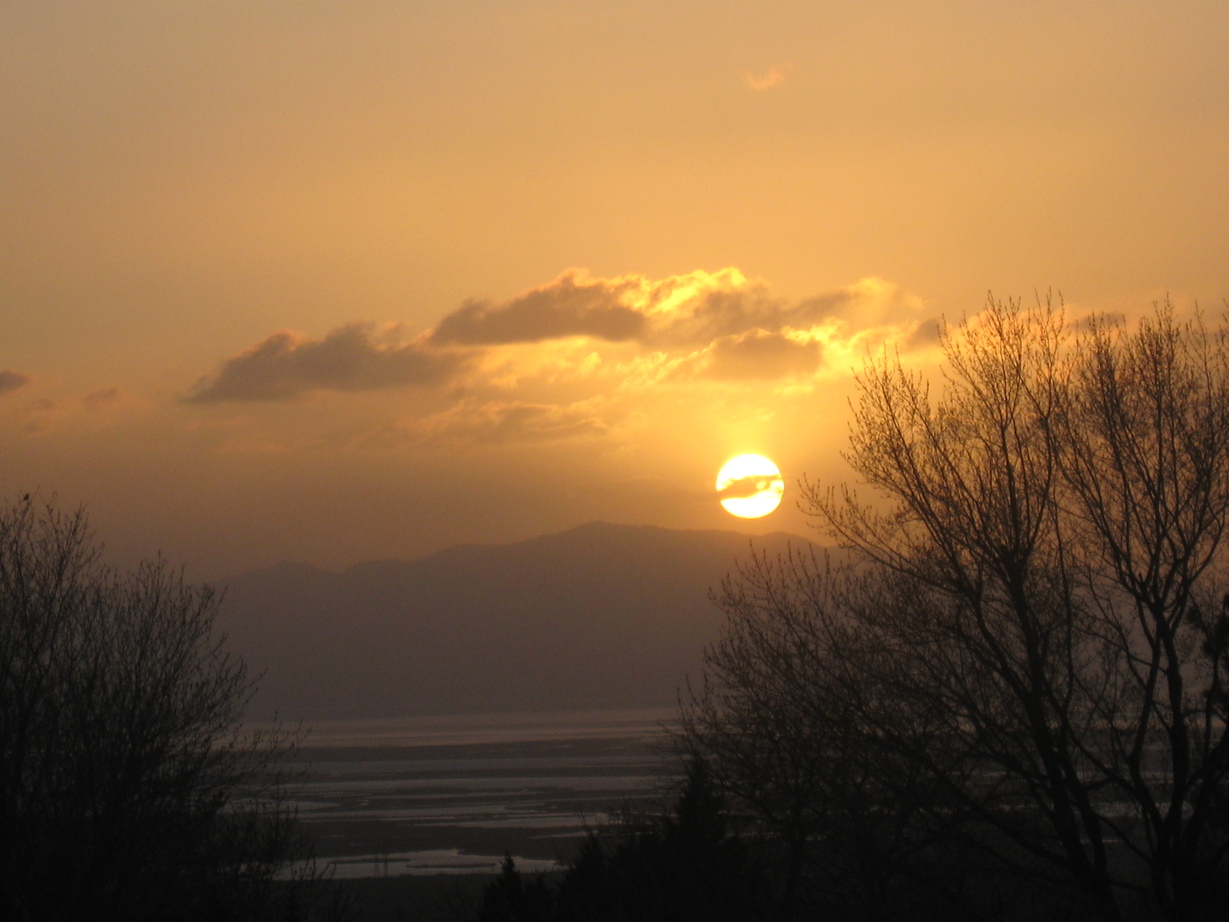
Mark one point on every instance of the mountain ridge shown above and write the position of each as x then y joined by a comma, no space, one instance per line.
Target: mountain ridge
600,615
481,545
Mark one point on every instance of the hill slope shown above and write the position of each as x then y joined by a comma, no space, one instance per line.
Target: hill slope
598,616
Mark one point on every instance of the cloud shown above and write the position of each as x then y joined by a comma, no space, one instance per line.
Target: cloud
774,76
44,415
102,399
577,358
350,358
869,302
928,333
714,308
676,312
571,305
35,417
11,381
745,487
757,355
1086,323
698,309
496,423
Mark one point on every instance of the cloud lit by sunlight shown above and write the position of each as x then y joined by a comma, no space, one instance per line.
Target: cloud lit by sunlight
770,78
585,357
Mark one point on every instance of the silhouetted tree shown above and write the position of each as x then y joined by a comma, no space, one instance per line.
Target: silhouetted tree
1025,662
127,789
510,899
684,866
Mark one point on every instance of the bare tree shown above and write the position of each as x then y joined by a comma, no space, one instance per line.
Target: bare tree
1031,653
794,717
127,787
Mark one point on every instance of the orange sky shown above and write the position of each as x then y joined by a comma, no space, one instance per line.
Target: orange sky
331,282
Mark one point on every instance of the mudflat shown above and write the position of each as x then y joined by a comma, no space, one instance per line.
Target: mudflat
451,799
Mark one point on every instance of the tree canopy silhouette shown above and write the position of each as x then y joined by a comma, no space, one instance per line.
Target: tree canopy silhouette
1020,669
127,786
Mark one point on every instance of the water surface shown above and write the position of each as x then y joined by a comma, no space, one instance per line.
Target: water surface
432,795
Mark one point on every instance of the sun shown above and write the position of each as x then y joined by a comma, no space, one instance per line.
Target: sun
750,486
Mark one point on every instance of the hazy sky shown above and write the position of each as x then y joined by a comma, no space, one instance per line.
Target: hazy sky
340,281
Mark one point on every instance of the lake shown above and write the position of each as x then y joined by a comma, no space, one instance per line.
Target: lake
452,795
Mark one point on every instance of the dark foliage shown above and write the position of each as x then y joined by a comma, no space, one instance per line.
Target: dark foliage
127,788
686,866
510,899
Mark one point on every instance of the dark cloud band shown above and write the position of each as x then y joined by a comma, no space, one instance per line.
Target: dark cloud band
745,487
569,306
348,359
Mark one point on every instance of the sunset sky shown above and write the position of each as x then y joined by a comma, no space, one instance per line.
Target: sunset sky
340,281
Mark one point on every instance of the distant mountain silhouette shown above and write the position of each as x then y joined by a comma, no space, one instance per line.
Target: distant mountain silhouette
598,616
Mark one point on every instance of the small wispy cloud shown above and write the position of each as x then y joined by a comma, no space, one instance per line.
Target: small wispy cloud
498,422
42,415
102,399
774,76
11,381
35,417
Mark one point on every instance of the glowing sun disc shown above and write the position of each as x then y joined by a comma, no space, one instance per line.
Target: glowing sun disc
750,486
